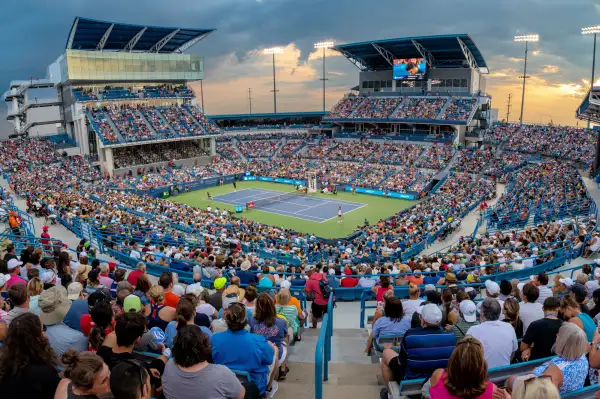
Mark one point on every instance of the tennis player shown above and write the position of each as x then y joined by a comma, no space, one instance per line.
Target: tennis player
340,215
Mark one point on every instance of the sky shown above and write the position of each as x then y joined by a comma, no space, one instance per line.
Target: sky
33,34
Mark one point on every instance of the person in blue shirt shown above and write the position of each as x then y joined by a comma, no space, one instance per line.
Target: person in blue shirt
246,276
239,349
186,312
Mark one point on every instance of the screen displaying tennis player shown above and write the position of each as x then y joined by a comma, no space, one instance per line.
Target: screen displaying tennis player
409,68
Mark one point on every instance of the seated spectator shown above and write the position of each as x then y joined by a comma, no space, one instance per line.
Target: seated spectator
541,281
569,369
579,292
103,319
285,308
275,329
239,349
411,305
19,296
54,306
246,276
130,380
166,281
160,314
84,322
216,299
541,334
27,357
118,346
186,313
14,269
189,371
467,318
530,310
571,311
499,339
133,275
467,360
386,285
348,282
395,366
35,288
86,376
512,317
392,323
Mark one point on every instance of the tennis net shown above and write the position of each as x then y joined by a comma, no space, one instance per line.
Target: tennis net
274,199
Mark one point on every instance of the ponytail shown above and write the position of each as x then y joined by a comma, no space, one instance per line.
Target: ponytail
186,311
181,321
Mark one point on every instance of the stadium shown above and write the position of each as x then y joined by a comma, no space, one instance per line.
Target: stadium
403,243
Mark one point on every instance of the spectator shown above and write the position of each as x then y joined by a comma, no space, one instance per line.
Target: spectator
83,316
596,300
594,284
541,334
216,299
289,311
580,294
191,371
511,316
411,305
467,318
19,296
541,281
28,365
14,269
86,376
139,270
185,313
498,338
530,310
160,314
246,276
467,360
348,282
103,323
238,349
54,306
130,380
166,282
319,304
571,311
385,285
395,365
266,323
34,289
569,369
393,323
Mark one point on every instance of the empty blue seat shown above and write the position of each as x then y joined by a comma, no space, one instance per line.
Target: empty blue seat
426,353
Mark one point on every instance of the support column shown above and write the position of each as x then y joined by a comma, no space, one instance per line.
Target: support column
213,147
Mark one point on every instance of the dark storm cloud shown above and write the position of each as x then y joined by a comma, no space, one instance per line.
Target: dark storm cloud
33,32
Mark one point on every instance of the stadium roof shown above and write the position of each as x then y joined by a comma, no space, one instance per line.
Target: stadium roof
94,35
444,51
279,115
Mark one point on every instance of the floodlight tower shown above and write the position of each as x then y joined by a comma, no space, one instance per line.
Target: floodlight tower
525,38
273,51
588,31
324,46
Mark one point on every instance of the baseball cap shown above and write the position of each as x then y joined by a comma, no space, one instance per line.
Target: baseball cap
74,290
429,287
14,263
3,279
229,299
220,283
49,276
285,284
566,281
178,290
45,228
492,287
468,310
431,314
579,290
132,303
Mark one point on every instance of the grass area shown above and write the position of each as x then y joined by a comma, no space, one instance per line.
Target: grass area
377,208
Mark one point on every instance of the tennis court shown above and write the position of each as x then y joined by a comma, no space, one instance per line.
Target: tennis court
307,207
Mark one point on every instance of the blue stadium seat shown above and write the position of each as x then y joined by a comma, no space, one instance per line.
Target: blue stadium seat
426,353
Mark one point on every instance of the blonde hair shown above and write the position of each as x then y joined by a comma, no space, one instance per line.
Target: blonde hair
571,342
35,286
413,289
531,387
283,297
156,294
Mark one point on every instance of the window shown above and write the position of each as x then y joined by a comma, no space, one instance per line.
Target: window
463,83
364,84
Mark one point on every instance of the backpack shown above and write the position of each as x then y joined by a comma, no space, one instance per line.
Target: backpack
326,289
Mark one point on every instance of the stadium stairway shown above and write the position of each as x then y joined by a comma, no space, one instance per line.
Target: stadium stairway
440,115
147,122
352,374
114,127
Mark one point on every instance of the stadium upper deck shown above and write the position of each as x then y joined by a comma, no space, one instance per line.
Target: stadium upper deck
121,85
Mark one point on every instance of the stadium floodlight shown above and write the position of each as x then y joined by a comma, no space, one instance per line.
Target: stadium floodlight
324,45
589,31
273,51
533,38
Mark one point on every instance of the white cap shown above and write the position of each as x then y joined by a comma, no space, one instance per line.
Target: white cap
429,287
285,284
178,290
566,281
492,287
49,276
14,263
3,279
468,310
597,272
431,314
83,254
73,290
195,289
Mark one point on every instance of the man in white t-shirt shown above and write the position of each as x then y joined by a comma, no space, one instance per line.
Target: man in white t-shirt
411,305
529,309
541,281
498,338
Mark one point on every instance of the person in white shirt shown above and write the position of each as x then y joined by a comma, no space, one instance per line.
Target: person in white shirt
135,253
497,337
411,305
541,281
493,291
530,310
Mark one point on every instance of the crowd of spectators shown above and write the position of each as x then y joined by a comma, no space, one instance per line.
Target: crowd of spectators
151,153
259,148
473,160
130,123
376,108
496,134
408,179
396,154
291,147
504,163
120,93
436,156
345,107
102,126
419,108
460,108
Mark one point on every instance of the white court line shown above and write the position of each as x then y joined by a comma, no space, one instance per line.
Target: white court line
352,210
288,214
310,207
255,196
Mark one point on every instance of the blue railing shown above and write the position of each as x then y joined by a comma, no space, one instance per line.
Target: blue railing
323,350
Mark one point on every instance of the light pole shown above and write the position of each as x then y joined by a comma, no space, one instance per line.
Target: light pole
588,31
324,46
273,51
525,38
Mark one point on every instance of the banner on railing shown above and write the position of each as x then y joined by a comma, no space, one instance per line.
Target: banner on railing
381,193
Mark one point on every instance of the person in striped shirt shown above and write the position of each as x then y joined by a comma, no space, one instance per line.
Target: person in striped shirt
467,319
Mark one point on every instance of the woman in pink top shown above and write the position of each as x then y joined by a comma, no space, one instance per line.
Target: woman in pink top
466,360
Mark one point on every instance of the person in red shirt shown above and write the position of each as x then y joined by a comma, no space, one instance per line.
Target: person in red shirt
313,290
416,278
45,239
166,281
133,276
349,282
382,289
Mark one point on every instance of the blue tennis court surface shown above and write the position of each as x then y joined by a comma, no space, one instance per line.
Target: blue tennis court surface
305,207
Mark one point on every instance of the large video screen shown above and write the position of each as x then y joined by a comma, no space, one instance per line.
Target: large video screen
409,68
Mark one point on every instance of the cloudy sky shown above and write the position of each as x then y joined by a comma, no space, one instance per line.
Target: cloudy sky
33,34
